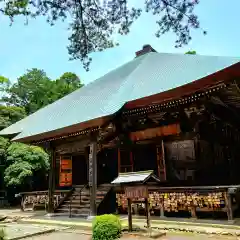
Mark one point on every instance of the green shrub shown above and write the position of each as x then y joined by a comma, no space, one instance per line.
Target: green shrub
2,234
106,227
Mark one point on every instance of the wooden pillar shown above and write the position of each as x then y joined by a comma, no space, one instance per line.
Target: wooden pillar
228,203
119,161
131,160
130,215
163,161
193,211
147,212
158,161
86,155
51,180
162,208
93,177
161,164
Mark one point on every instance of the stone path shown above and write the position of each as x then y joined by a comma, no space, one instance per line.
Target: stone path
77,236
61,235
17,231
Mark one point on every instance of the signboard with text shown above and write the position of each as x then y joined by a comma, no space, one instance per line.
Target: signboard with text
136,192
65,178
90,168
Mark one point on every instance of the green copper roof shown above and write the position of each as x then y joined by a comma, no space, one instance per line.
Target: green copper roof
149,74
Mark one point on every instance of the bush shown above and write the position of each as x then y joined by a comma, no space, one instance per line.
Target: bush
2,234
106,227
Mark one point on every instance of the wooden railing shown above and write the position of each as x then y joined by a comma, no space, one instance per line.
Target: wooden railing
77,193
31,200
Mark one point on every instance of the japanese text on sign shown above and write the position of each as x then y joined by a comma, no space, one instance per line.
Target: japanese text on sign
136,192
90,170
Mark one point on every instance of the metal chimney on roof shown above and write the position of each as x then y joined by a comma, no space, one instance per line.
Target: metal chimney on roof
145,49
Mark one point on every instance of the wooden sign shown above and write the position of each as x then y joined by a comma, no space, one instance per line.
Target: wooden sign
66,164
149,133
136,192
133,193
92,164
65,177
90,168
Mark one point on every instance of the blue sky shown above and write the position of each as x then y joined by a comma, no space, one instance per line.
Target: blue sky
40,46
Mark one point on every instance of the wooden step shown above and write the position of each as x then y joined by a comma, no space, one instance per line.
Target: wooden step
82,208
65,206
74,211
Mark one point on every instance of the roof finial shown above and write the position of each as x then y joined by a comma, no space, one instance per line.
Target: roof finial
145,49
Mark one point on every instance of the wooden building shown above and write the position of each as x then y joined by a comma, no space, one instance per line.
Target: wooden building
177,115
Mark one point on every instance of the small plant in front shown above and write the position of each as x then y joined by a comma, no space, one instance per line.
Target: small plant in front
106,227
2,234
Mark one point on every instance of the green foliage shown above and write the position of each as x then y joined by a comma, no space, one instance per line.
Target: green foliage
2,234
10,115
66,84
4,84
191,52
94,23
29,91
106,227
70,79
35,90
23,161
4,144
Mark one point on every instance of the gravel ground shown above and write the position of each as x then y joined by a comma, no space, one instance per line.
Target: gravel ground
76,236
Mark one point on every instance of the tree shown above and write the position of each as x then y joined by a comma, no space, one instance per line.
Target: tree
191,52
23,162
4,84
71,79
66,84
35,90
29,91
93,22
10,115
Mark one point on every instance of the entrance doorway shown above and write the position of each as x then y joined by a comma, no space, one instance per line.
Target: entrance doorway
145,158
79,170
107,166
